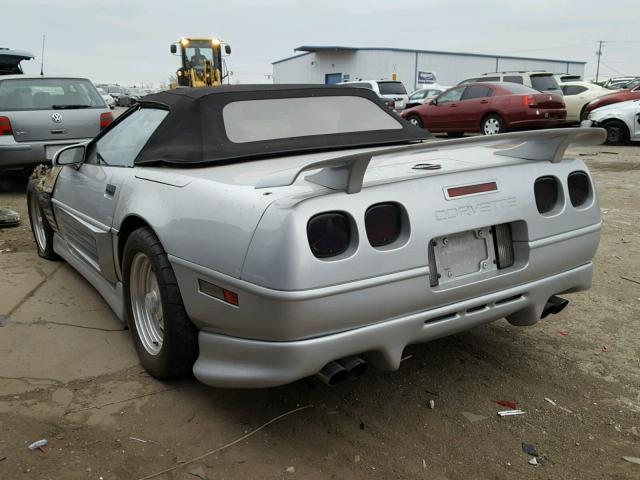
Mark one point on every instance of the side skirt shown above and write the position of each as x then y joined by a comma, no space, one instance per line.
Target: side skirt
113,294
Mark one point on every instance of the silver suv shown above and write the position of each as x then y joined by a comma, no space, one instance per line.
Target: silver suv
538,80
392,92
40,115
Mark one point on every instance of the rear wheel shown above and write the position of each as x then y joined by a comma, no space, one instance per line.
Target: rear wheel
617,132
415,120
42,231
493,125
164,337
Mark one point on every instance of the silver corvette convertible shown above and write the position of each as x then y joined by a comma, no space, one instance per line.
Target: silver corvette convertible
258,235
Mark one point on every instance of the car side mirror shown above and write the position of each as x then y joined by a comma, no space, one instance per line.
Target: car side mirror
227,49
72,156
173,48
434,101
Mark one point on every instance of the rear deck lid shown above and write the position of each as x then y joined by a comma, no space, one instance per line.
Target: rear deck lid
42,109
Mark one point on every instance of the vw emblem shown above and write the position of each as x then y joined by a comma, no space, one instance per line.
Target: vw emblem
56,117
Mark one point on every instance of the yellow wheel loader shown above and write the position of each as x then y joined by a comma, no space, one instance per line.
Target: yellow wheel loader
201,62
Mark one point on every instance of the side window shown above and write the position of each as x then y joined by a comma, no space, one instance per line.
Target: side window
513,79
452,95
419,95
476,91
569,90
489,79
121,145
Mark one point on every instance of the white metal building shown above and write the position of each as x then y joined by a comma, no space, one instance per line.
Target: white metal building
333,64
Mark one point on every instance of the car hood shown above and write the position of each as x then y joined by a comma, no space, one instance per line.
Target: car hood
614,107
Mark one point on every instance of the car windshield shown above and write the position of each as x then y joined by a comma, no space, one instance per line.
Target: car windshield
48,94
517,88
256,120
544,82
392,88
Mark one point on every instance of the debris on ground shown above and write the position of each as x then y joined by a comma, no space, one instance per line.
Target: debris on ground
4,319
472,417
291,469
138,439
534,461
39,445
563,333
507,403
357,459
547,399
9,218
530,449
198,472
630,280
635,460
605,349
510,413
432,404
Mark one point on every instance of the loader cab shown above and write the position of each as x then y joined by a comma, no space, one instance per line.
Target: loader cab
201,63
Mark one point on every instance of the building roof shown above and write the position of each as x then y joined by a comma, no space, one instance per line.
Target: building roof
337,48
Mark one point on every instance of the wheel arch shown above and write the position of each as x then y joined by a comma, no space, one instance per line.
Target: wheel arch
130,224
488,114
626,132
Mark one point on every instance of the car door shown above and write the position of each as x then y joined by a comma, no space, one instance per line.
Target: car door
474,104
443,113
85,197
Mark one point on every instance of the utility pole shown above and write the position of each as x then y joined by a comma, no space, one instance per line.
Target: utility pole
42,58
599,54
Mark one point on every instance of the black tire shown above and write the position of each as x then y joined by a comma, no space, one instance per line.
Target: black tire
455,134
179,348
492,125
40,227
583,113
415,120
617,133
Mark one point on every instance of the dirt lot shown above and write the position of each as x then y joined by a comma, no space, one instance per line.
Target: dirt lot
68,373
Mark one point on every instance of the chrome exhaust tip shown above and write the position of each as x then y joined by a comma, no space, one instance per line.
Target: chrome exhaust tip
554,305
356,366
332,374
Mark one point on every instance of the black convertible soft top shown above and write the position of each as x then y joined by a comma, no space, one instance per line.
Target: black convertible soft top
194,132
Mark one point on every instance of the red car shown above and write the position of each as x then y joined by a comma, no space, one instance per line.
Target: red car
488,107
632,93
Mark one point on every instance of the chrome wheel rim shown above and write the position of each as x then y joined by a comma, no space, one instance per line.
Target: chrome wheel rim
414,121
146,303
37,224
491,126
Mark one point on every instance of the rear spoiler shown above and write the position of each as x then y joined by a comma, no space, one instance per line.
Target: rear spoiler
346,172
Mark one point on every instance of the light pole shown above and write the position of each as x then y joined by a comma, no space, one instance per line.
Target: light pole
599,54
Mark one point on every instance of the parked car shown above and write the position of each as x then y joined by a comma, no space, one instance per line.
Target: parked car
10,61
127,99
108,99
489,108
538,80
632,93
392,91
576,97
263,249
39,115
618,83
620,120
422,95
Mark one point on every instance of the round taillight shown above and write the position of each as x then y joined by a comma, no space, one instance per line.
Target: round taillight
329,234
383,222
579,188
546,192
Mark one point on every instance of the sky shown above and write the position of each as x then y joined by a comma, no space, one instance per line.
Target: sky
127,41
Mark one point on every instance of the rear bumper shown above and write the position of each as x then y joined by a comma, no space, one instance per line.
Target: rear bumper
27,154
226,361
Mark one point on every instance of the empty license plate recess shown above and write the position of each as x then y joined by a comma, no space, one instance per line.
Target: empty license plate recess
461,255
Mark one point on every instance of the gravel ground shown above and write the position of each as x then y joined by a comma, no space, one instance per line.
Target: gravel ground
68,373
